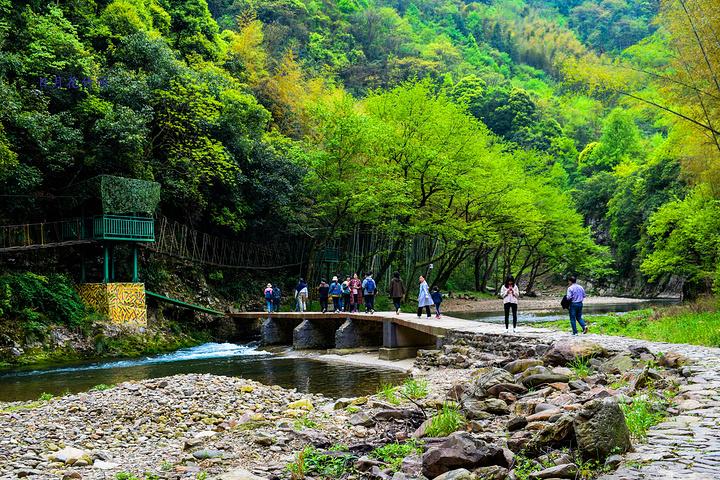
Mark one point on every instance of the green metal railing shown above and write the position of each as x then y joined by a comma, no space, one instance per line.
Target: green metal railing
123,228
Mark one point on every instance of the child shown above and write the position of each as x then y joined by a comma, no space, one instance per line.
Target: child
437,300
345,304
269,297
323,293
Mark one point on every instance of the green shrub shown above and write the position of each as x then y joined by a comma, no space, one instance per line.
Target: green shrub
37,301
448,420
415,388
580,367
394,453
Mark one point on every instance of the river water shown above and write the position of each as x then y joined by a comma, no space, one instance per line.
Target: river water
247,361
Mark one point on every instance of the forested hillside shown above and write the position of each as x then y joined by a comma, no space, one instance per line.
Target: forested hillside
487,138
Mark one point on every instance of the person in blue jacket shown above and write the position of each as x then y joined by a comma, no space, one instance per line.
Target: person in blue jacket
437,300
336,294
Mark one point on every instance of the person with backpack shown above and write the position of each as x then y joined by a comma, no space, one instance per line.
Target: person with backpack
345,304
576,296
277,296
510,294
323,293
336,294
396,291
437,300
301,295
369,290
424,298
268,292
355,293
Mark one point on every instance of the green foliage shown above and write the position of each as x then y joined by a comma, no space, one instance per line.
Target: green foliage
415,389
580,367
37,301
123,196
641,414
101,387
446,421
304,422
388,392
323,465
394,453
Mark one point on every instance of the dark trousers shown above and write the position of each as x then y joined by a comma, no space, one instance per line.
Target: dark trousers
323,304
510,306
427,309
397,302
437,309
336,303
276,304
346,302
576,315
369,302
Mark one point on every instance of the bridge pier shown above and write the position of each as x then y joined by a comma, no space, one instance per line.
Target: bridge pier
356,333
402,342
314,334
278,332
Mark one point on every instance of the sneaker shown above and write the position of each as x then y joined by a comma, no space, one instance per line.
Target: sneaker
419,316
437,316
514,330
372,312
507,330
397,312
585,329
428,316
575,333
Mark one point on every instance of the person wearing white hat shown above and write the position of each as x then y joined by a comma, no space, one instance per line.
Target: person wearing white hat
269,297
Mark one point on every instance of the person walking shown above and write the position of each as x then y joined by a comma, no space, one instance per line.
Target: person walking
424,298
576,296
277,297
437,300
510,293
336,294
345,303
396,291
301,295
369,290
268,292
323,293
355,293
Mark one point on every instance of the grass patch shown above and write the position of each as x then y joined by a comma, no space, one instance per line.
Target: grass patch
580,367
101,387
448,420
415,388
394,453
679,324
387,391
642,414
304,422
311,461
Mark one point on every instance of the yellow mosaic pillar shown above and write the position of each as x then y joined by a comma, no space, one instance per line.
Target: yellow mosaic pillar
123,303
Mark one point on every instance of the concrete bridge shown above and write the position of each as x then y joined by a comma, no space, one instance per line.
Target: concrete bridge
396,336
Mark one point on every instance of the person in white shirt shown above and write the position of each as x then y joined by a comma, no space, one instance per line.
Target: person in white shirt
510,293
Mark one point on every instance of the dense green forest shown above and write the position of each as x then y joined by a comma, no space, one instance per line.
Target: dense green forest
524,137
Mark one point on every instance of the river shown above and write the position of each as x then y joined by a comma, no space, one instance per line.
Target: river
248,361
305,374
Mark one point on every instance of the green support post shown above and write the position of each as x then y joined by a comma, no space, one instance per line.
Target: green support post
82,268
106,264
135,277
112,263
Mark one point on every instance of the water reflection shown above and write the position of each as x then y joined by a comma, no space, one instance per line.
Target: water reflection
305,374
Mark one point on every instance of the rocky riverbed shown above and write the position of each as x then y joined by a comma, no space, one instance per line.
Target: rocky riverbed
527,411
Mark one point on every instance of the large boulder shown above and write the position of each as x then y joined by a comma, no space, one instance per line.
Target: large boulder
460,450
475,408
618,364
544,379
565,351
522,364
568,470
555,434
485,378
600,429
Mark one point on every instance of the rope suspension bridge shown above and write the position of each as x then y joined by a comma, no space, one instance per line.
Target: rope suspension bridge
171,238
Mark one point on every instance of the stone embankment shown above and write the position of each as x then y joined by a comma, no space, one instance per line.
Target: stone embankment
535,405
